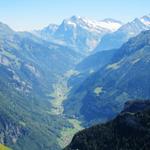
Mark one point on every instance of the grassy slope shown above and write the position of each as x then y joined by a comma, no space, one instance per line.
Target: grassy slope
2,147
68,133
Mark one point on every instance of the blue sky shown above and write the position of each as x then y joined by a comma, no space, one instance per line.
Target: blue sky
34,14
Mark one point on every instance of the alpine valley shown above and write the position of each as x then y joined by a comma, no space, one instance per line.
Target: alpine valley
63,78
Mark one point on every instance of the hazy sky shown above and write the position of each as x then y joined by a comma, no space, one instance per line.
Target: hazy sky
34,14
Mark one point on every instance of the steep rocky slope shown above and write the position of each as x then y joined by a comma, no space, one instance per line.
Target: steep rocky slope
130,130
29,67
125,77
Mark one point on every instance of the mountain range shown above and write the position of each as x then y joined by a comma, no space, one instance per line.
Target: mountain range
29,67
126,76
63,78
81,33
116,39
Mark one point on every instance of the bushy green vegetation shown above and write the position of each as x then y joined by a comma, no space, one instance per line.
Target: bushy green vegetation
130,130
98,90
67,133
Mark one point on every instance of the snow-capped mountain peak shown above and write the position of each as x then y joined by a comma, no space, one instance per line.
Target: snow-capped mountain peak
52,27
116,39
145,20
80,33
107,24
133,28
110,24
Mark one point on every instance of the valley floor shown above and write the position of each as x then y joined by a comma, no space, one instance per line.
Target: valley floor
59,95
